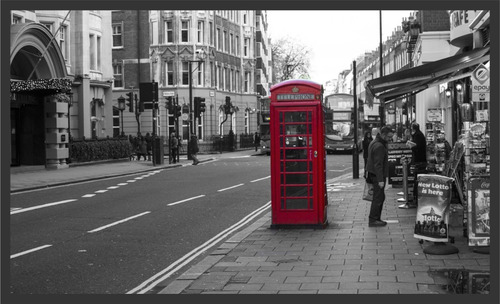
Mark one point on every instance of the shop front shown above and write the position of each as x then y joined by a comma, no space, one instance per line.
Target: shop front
455,122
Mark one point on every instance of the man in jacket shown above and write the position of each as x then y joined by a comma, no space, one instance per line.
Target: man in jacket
378,171
418,147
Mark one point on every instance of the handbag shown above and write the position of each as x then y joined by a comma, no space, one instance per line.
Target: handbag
368,192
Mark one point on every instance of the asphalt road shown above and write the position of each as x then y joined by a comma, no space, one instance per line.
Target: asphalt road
110,236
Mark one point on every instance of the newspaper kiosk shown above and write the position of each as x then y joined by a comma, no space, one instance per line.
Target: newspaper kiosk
298,159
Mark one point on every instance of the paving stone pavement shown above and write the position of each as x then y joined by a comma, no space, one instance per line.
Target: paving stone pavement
347,257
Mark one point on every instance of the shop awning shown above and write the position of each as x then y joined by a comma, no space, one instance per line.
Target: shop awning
417,79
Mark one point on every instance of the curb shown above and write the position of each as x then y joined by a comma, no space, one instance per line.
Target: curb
166,167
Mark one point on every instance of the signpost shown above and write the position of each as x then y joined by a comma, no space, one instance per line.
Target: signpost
481,84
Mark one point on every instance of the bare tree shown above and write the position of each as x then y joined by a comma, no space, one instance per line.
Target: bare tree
290,60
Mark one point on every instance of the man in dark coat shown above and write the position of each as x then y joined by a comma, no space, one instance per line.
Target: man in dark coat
378,171
418,146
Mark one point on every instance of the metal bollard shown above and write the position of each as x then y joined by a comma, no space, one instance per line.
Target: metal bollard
404,161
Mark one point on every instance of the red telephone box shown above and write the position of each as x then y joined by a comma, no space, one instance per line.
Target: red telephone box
298,160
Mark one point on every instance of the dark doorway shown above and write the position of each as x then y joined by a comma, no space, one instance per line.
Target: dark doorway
27,132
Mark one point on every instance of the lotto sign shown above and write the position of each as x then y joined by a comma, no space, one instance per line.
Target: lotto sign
481,84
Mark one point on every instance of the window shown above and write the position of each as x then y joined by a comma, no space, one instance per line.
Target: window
48,26
62,42
237,45
117,35
154,32
201,68
185,31
226,49
231,43
217,40
16,19
116,122
232,80
212,75
169,31
237,81
118,75
246,47
211,33
245,18
92,52
170,73
222,117
98,53
227,80
201,31
247,125
247,82
185,73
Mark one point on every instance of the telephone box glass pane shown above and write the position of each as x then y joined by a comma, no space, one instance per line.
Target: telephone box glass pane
295,116
296,154
295,141
296,129
296,191
296,166
296,178
292,204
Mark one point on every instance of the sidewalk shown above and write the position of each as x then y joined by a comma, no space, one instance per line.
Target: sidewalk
347,257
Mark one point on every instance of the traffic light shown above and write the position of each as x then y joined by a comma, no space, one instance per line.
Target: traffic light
178,111
169,105
130,101
196,107
201,106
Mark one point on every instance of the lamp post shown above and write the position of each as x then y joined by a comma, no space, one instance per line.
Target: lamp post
121,107
201,58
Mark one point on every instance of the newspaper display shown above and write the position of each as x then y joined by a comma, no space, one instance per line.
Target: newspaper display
434,196
479,211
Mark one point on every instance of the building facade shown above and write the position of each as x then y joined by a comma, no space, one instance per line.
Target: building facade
228,55
61,84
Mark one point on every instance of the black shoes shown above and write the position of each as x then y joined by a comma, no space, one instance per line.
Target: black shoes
377,223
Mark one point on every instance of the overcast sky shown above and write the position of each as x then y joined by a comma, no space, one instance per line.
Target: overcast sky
336,38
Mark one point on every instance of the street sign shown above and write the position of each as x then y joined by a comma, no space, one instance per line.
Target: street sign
481,84
168,93
185,116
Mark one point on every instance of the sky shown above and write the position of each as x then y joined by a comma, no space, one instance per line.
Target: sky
335,38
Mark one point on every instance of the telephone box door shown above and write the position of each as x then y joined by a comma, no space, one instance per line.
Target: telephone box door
297,156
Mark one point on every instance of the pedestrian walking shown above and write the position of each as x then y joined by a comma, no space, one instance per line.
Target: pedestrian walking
174,145
256,141
418,146
194,149
143,149
149,145
367,139
378,171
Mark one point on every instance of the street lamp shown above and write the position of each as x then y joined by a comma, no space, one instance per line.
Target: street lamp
121,107
70,103
201,55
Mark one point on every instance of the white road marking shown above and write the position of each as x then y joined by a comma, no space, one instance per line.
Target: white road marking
174,267
122,184
139,177
88,195
244,156
230,187
41,206
188,199
113,187
29,251
256,180
101,191
131,181
119,222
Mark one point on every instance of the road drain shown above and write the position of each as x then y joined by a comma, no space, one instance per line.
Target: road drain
460,281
